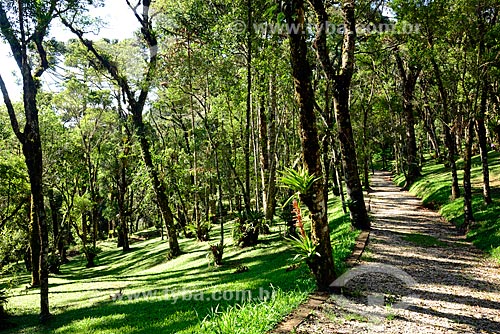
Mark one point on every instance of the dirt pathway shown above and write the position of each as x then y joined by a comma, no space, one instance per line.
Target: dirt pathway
418,275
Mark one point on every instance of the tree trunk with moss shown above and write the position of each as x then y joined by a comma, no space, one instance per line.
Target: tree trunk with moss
322,266
341,82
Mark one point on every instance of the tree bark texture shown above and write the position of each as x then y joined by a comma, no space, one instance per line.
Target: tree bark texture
322,266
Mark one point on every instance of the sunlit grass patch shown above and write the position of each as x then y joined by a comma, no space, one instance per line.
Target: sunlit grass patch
176,296
424,240
434,187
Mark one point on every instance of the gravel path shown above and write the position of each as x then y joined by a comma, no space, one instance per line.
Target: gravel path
417,275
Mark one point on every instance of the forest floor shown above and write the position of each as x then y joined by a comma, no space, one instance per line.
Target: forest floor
418,274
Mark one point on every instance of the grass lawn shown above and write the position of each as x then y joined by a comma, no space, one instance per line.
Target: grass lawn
435,188
184,295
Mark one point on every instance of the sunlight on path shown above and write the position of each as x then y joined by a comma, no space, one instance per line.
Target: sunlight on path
457,290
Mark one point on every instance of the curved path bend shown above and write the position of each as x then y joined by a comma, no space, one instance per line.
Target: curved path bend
430,279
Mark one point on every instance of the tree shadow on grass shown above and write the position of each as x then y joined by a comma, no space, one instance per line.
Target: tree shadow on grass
150,315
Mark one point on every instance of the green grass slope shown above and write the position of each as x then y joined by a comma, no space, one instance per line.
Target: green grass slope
435,188
184,295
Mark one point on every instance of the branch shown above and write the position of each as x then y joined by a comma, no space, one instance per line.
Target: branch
319,43
39,34
13,213
8,32
401,67
11,111
349,45
111,68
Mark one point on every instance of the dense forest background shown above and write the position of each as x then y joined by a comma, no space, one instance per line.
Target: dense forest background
194,121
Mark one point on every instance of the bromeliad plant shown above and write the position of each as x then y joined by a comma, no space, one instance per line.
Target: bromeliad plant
300,182
303,245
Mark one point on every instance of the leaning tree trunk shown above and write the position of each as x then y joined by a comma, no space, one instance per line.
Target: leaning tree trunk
409,79
322,265
137,103
32,151
468,213
341,82
158,185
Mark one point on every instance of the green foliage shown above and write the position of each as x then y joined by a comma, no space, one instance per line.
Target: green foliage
298,181
434,189
252,316
304,247
201,231
247,228
216,252
81,295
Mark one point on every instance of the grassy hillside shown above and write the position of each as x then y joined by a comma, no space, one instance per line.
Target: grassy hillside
184,295
435,188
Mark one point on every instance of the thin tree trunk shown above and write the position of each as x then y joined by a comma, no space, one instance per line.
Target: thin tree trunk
193,138
483,146
409,77
246,147
341,82
272,142
449,141
264,152
468,212
34,247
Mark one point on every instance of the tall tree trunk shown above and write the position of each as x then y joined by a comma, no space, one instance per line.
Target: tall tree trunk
137,103
366,150
264,152
409,78
272,142
322,266
248,113
267,134
449,141
193,138
483,146
32,151
341,82
34,247
468,213
158,185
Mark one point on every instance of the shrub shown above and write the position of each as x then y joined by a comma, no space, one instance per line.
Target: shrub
54,262
3,301
216,252
247,228
202,230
